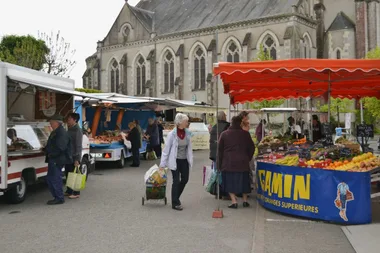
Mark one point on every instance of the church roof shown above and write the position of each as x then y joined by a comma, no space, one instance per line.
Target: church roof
341,21
145,17
172,16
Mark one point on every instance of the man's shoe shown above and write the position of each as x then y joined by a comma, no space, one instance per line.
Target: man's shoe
246,204
178,208
74,197
55,202
134,165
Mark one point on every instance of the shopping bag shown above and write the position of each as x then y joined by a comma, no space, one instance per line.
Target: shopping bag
207,172
155,176
127,143
151,155
76,180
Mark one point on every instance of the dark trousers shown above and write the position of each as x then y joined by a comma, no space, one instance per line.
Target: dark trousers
70,168
158,150
54,180
180,179
135,156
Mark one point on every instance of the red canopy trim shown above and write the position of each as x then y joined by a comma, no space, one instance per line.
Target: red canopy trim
299,78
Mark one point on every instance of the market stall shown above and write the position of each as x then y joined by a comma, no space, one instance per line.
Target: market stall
109,123
315,180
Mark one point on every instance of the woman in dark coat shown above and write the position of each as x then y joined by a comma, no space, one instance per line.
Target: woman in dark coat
134,137
235,152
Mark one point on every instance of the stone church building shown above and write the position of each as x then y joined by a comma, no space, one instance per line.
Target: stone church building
166,48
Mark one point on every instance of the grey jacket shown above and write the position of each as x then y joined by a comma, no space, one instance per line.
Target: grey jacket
76,135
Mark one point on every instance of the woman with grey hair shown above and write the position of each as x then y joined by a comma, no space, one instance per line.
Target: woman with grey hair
178,157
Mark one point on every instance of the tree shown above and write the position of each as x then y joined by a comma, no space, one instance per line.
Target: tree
337,106
88,90
263,55
25,51
373,54
59,60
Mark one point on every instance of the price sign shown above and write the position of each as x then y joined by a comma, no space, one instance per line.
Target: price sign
345,152
326,129
365,131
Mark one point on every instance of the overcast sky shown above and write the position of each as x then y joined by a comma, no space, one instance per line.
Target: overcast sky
81,22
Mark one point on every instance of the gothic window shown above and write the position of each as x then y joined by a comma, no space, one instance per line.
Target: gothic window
270,47
338,56
306,47
169,79
199,69
233,54
114,74
140,75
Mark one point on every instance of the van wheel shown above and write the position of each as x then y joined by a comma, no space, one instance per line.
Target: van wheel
121,162
84,167
17,194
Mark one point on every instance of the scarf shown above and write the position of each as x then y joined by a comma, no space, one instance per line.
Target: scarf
181,133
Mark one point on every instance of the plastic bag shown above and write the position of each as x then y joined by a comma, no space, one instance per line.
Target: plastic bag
156,176
76,180
127,143
207,172
151,156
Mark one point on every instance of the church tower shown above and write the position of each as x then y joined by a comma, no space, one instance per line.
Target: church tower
319,9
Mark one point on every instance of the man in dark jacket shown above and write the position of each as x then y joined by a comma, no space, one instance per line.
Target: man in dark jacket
58,153
134,137
216,131
152,135
76,137
161,137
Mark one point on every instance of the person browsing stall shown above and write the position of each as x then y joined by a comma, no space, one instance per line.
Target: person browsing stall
317,129
178,157
135,138
259,130
76,135
58,153
235,152
216,131
294,129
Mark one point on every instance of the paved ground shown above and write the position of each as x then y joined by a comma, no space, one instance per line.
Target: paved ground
109,217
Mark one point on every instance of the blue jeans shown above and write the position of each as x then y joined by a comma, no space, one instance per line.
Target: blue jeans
54,181
343,200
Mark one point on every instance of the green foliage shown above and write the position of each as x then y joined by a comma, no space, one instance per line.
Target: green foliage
372,109
88,90
374,54
337,104
266,104
263,55
25,51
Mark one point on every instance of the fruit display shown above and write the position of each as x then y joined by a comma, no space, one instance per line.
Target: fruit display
289,160
107,137
361,163
300,141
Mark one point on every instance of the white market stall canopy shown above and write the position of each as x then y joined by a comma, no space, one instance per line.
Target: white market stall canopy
278,110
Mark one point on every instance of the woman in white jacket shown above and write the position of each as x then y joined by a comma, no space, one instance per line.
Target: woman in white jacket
178,157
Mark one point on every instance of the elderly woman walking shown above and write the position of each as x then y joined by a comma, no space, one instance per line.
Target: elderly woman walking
235,152
178,157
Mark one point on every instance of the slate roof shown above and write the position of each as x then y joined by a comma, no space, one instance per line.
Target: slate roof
341,21
145,17
172,16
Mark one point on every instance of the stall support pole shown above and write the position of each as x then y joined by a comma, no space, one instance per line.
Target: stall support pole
361,112
217,213
119,119
95,122
329,98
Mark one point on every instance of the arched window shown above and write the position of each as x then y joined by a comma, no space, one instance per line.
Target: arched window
306,47
338,55
233,53
270,47
169,79
114,74
140,75
199,69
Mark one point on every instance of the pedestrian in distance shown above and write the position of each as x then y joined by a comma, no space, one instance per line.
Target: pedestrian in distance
152,135
137,122
178,157
135,138
76,138
161,137
221,126
260,131
58,153
235,152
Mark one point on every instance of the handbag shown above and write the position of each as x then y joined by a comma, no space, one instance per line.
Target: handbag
151,155
76,180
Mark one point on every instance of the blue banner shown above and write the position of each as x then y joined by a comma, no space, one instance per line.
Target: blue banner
337,196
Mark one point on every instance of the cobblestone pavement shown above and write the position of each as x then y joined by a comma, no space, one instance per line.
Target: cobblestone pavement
109,217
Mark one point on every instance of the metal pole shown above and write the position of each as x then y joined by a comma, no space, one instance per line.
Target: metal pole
3,127
329,98
361,112
217,125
